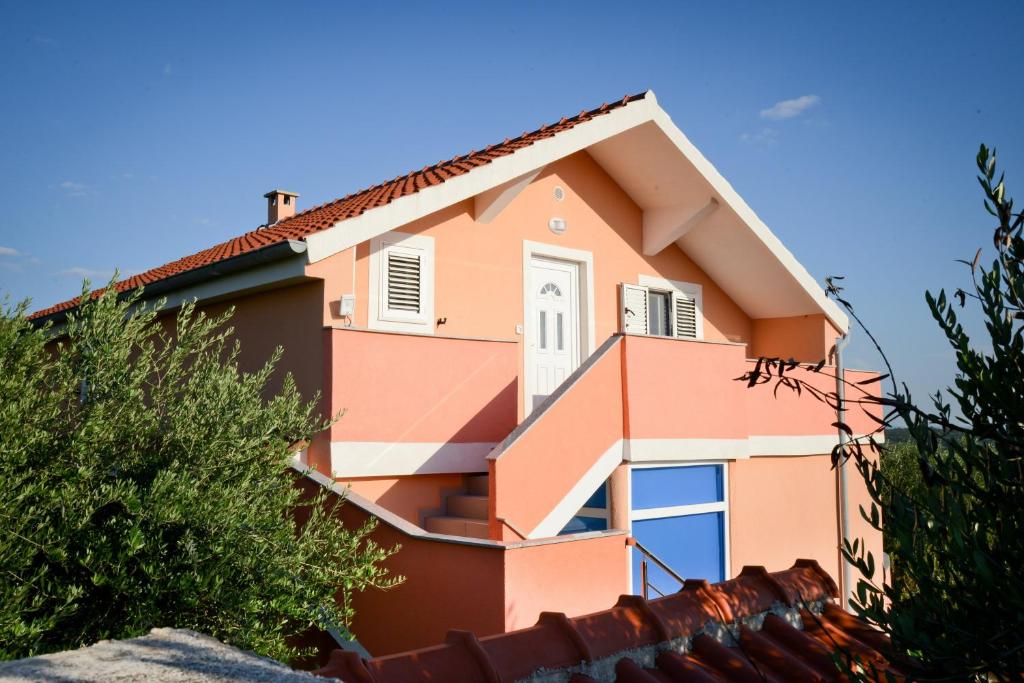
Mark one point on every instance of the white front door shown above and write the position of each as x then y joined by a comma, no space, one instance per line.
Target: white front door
553,332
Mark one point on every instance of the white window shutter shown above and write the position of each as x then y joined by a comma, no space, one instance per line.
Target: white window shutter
686,322
402,283
634,309
403,280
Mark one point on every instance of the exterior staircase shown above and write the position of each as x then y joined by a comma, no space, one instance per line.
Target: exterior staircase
465,513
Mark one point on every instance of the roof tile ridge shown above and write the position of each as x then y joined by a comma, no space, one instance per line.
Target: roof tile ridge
750,592
305,213
642,606
827,582
756,572
469,642
568,627
710,596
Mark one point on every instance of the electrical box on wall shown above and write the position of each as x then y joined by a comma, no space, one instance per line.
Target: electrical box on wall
347,307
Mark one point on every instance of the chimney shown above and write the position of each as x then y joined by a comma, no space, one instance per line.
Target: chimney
280,205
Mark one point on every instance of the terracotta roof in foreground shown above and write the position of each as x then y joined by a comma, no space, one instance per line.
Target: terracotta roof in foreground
777,627
324,216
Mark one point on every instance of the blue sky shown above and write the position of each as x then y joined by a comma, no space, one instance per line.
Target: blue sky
137,133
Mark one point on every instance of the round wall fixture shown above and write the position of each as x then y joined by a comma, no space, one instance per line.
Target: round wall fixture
559,193
557,226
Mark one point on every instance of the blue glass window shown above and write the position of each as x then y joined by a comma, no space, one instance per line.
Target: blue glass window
578,525
660,487
599,499
692,545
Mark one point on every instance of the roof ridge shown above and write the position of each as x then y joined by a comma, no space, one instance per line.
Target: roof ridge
327,214
695,626
543,128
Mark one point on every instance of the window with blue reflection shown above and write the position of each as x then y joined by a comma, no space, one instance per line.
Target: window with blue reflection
659,487
578,525
692,545
599,499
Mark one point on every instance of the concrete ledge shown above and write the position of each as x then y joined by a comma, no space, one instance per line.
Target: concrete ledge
410,529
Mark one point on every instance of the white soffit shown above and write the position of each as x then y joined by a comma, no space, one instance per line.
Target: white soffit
640,147
660,168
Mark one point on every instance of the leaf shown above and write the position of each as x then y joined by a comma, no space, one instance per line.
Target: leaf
843,427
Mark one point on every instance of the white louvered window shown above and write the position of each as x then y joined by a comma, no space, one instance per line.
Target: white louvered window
684,316
634,309
662,308
402,282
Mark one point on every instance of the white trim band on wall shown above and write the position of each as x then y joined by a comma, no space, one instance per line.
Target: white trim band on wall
672,450
387,459
390,459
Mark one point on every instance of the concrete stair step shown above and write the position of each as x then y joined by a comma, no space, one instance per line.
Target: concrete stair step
457,526
467,505
478,484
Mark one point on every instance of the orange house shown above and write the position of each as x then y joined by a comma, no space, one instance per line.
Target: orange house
536,347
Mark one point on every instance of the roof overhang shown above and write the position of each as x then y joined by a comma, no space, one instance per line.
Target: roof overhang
272,266
685,200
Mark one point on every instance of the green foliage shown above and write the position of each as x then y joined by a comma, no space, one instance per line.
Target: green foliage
900,473
955,533
145,481
950,502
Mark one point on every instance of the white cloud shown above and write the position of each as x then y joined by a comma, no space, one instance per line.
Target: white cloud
787,109
73,189
88,273
8,251
96,274
765,137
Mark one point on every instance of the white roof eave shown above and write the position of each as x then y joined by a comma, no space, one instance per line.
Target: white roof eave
405,210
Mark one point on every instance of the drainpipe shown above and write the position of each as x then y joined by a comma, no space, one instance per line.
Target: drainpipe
846,569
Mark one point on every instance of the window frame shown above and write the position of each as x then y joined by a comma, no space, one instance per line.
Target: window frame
380,316
691,290
683,510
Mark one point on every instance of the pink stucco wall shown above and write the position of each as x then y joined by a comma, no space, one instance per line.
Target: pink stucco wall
532,475
781,508
288,318
484,589
411,497
408,388
806,338
548,578
684,389
479,267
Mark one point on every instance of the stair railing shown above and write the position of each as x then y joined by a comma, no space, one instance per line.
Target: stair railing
511,526
647,555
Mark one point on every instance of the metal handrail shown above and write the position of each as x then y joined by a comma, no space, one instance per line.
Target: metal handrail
657,561
512,526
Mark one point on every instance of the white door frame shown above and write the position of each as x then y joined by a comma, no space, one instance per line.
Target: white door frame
585,263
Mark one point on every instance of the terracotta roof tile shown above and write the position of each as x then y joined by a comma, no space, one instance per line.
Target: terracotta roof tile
321,217
747,629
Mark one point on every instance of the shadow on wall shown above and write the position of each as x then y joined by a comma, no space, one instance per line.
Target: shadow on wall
419,496
493,418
